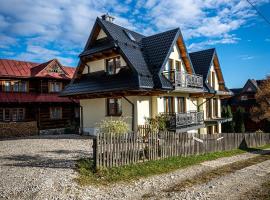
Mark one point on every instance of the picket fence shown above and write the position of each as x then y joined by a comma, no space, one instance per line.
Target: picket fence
112,150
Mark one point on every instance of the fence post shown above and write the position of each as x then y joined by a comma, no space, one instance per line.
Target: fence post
95,152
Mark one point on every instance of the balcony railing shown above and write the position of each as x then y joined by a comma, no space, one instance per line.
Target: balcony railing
184,80
181,120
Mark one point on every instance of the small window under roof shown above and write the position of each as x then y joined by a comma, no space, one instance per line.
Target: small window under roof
130,36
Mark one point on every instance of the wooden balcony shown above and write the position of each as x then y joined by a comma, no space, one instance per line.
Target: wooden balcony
184,81
185,121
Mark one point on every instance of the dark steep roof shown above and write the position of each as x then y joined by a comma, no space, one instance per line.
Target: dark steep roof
144,55
157,47
99,81
201,61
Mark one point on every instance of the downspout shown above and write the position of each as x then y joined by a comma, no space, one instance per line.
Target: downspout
132,106
81,120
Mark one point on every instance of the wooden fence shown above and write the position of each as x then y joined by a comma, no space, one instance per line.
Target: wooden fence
118,150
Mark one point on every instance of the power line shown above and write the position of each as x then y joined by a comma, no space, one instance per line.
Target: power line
259,12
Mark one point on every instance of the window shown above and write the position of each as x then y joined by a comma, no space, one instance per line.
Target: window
7,86
56,113
181,104
244,98
114,107
12,114
178,66
15,86
215,107
168,104
77,112
209,130
55,86
113,65
216,129
213,80
19,86
209,108
130,36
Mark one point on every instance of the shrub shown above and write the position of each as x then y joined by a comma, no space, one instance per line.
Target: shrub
158,123
116,126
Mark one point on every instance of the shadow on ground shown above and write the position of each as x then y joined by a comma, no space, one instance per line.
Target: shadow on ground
54,137
243,146
24,160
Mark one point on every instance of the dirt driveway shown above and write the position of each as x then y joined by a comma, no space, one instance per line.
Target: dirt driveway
38,167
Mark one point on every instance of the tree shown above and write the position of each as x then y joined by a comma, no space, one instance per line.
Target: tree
227,127
231,123
262,109
239,120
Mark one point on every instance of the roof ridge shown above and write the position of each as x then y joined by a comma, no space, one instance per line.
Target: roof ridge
19,60
120,27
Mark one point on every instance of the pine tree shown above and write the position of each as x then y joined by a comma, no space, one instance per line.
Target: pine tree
231,124
239,120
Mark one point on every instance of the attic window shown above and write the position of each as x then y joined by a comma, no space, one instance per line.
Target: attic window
130,36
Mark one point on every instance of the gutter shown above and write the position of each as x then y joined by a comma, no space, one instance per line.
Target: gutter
133,113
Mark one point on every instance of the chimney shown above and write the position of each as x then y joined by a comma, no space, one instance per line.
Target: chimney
107,17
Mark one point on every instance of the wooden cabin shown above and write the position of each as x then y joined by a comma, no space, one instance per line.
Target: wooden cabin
29,101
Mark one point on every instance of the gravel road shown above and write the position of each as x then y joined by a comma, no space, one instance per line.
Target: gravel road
40,167
43,168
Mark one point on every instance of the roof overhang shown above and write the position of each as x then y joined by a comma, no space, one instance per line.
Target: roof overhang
115,94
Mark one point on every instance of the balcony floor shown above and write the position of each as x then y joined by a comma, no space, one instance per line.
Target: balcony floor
188,89
188,128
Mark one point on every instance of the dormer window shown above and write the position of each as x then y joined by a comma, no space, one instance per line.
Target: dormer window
130,36
113,65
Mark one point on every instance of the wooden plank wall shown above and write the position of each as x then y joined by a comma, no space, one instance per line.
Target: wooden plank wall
118,150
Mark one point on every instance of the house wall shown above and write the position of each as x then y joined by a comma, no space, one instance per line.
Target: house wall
176,56
101,34
100,65
95,110
212,69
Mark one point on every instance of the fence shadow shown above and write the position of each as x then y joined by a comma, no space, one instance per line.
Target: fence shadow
39,161
54,137
243,146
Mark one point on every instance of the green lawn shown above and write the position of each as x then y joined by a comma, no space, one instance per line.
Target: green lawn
87,174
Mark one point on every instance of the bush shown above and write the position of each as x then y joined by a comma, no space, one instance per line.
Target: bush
158,123
118,126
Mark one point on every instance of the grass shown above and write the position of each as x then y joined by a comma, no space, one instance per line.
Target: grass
87,174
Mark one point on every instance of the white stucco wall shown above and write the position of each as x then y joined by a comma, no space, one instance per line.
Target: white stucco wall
95,110
212,69
176,56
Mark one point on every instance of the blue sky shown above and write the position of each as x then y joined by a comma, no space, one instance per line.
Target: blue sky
41,30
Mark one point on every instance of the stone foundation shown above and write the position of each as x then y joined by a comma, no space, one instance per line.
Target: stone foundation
18,129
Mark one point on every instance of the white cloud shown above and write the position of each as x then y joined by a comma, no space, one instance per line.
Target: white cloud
246,57
65,24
